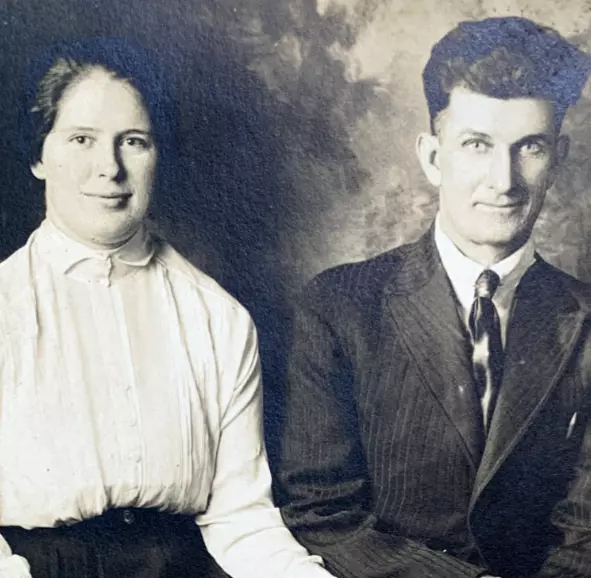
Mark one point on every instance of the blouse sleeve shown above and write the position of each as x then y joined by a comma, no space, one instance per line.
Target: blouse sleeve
241,528
11,565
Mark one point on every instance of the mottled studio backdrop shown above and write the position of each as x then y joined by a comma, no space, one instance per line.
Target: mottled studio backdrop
298,121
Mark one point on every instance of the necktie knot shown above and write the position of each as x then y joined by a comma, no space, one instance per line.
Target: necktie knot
486,284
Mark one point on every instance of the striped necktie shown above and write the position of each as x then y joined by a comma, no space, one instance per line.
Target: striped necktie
487,353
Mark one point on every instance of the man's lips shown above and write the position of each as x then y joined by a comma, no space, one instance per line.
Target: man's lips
500,206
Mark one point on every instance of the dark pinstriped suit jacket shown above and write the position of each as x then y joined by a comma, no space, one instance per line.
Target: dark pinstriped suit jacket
379,471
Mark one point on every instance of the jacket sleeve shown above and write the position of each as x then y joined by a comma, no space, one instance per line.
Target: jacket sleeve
322,482
572,515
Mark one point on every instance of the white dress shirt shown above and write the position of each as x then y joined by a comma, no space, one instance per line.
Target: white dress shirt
129,378
463,273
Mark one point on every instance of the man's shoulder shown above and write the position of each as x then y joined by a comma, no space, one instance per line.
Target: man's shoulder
579,290
365,280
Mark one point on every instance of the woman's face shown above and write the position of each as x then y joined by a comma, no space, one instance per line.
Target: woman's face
99,161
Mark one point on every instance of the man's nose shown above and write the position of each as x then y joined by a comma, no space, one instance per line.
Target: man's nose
501,175
108,163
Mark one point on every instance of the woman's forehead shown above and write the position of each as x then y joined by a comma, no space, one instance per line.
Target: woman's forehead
100,99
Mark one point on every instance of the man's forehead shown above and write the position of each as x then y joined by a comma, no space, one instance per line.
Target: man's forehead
509,119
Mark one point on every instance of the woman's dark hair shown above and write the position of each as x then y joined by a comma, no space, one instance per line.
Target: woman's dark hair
63,64
505,58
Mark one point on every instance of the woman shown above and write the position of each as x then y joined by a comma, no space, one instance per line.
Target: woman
130,392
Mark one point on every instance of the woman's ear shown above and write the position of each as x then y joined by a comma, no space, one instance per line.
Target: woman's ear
427,149
38,170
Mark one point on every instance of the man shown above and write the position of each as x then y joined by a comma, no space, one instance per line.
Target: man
437,418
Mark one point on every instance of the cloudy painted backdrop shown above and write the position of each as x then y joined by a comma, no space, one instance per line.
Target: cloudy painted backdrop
298,122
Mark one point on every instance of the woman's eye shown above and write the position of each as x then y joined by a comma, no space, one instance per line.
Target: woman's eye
82,140
136,142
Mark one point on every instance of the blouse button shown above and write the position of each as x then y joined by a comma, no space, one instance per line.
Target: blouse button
128,516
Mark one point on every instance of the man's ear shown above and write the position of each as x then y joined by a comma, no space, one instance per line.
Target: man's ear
561,152
38,170
562,148
427,149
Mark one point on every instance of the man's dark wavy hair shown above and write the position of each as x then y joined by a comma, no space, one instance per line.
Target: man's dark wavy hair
62,65
505,58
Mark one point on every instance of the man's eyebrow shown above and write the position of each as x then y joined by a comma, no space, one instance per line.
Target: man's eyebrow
544,137
548,138
475,133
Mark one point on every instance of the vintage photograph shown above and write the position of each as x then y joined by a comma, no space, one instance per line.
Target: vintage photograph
295,289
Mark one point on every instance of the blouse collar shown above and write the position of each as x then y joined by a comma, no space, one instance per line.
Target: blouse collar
75,259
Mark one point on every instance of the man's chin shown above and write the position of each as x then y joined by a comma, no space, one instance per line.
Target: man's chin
508,241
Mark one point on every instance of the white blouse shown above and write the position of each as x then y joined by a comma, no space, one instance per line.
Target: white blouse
129,378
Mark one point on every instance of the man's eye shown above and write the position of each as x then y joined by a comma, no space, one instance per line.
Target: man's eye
476,145
533,148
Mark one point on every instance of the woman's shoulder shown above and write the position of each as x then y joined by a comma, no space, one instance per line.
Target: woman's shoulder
15,275
183,272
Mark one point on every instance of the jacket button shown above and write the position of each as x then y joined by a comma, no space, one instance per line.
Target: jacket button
128,517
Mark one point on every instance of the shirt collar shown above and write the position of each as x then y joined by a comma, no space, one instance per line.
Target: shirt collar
72,257
463,272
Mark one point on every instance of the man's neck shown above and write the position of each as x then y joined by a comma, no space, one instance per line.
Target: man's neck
485,255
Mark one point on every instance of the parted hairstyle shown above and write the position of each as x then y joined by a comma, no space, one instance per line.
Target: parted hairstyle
504,58
64,64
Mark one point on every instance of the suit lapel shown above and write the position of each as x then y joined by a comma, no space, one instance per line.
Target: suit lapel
426,318
544,327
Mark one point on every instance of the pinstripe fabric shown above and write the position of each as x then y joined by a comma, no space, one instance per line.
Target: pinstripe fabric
380,472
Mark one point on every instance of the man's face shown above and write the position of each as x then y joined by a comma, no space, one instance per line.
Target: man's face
98,162
493,161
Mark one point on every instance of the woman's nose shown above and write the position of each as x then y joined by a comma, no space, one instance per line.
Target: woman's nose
108,162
